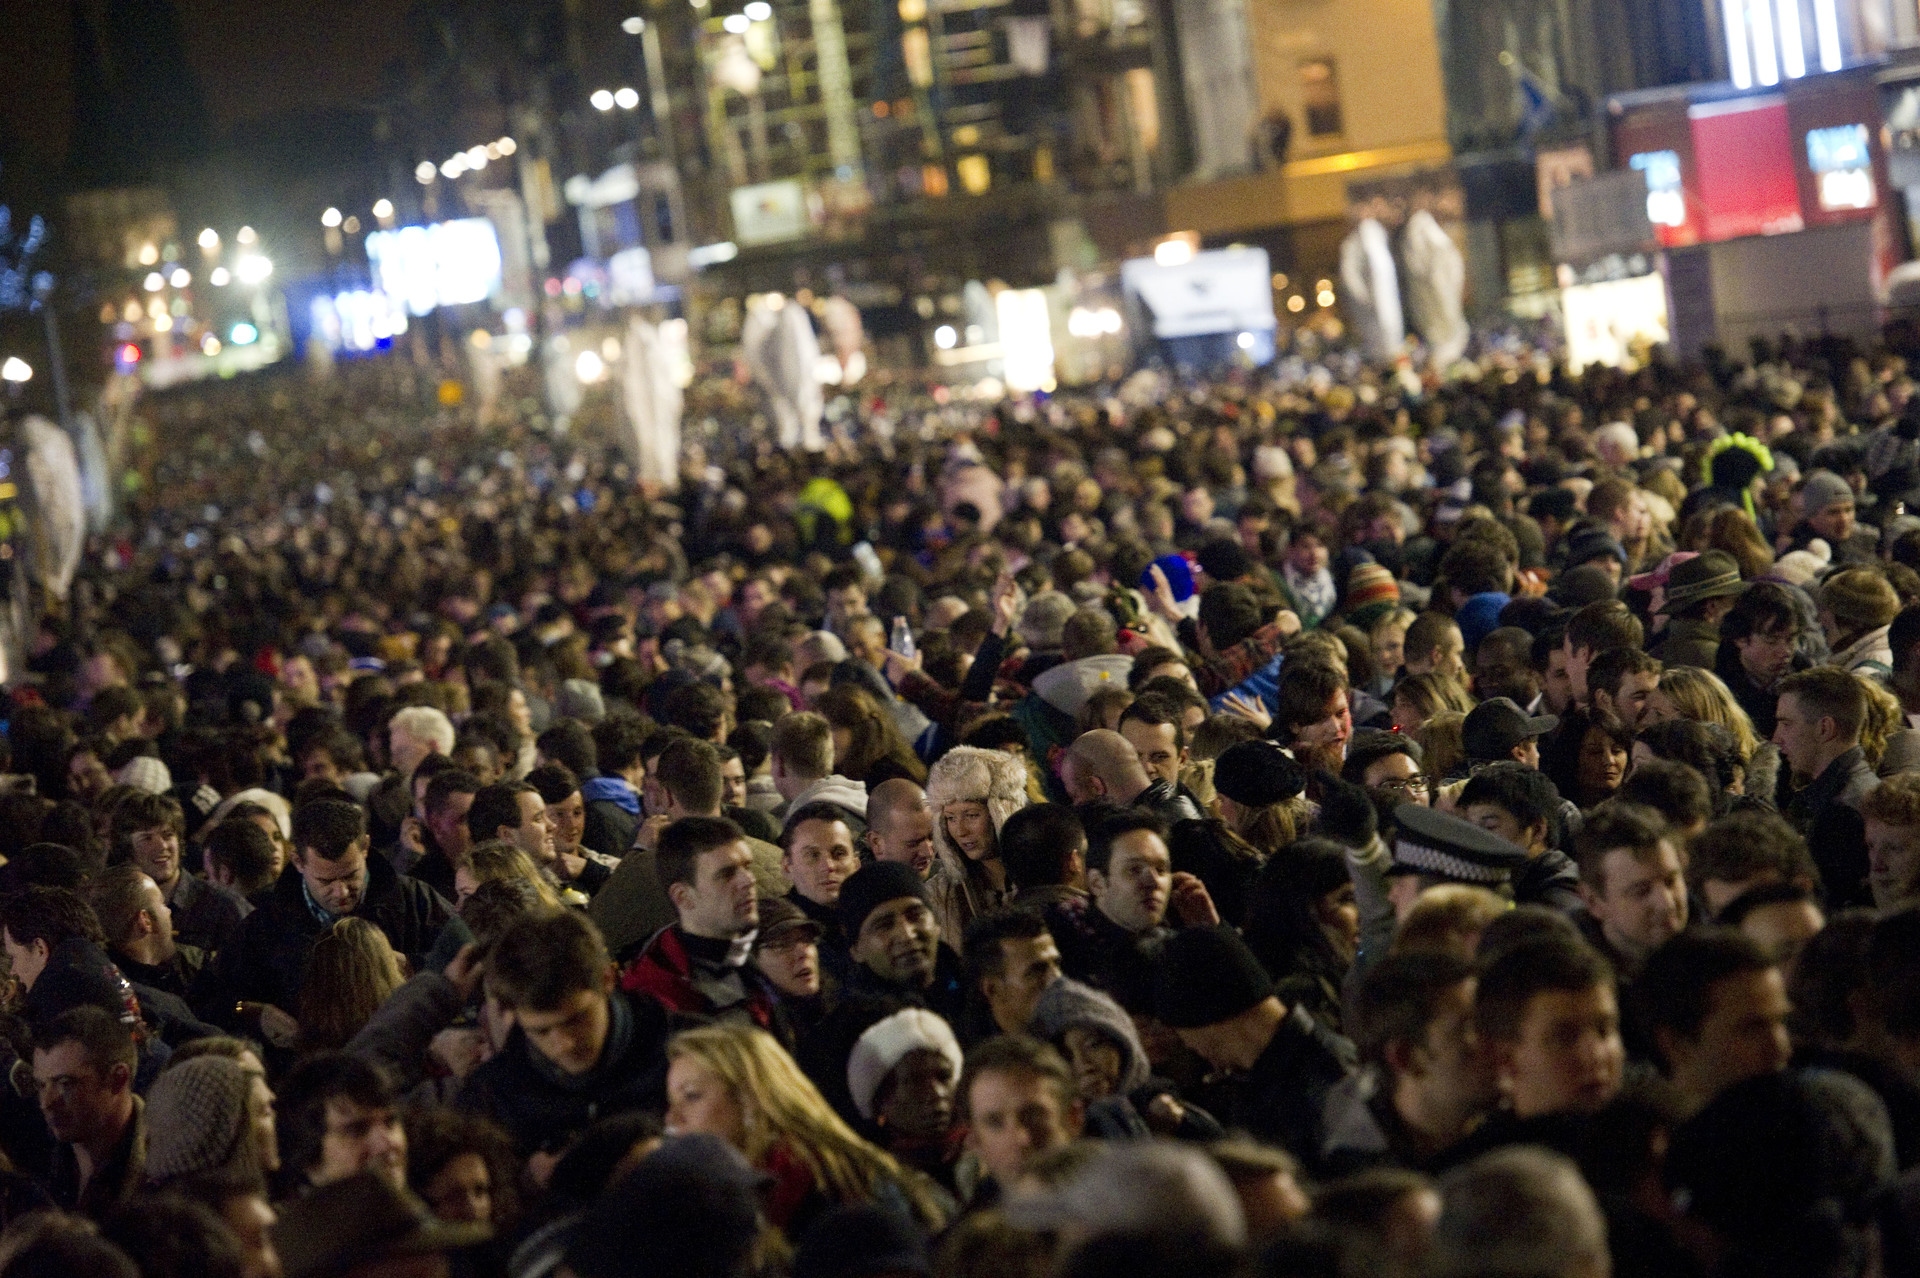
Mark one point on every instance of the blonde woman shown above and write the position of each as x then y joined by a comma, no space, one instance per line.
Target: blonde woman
1885,739
737,1083
972,792
1390,640
1688,692
1418,698
1443,748
350,972
497,859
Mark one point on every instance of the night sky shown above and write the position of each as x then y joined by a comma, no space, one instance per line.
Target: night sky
251,58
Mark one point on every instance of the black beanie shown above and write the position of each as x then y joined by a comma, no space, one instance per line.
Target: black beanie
1257,774
1207,975
871,887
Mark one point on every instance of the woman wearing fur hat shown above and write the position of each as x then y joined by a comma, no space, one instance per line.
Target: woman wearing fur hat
972,793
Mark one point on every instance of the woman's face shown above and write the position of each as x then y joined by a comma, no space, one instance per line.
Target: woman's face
1602,763
462,1190
1338,913
1390,648
842,744
260,1116
1659,709
699,1101
1096,1062
970,829
464,885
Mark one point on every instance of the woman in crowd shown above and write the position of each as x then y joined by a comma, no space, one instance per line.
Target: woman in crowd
738,1084
1303,924
350,973
1588,757
971,793
867,747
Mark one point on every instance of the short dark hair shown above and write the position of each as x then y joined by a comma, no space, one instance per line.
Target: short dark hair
1764,608
1424,634
697,708
1106,827
1373,747
818,810
981,952
1527,794
1615,825
1154,710
445,784
105,1038
49,914
544,958
1602,625
494,806
1779,892
1397,998
1747,845
555,782
570,742
681,844
301,1102
117,896
1674,989
1608,668
328,828
689,771
1017,1054
1676,791
1230,612
1147,660
244,850
1037,842
1305,689
1518,972
1476,568
142,811
617,741
1829,692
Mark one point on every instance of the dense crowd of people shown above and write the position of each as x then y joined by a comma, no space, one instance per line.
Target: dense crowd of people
1328,822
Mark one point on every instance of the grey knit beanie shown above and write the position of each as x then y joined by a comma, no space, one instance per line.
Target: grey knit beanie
1067,1003
1823,489
197,1118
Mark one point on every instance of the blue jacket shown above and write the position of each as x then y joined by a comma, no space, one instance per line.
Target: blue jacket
1263,683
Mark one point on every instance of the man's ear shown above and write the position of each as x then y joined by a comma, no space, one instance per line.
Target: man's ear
677,893
1400,1056
1829,729
1096,884
1537,833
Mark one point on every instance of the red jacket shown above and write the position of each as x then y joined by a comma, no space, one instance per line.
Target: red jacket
664,972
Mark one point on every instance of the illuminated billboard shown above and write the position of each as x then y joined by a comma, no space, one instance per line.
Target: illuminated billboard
447,264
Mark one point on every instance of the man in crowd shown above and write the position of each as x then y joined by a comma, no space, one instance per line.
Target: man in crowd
1699,594
1546,1010
579,1050
1819,717
1103,767
1018,1099
83,1064
1716,1007
338,1118
819,860
1633,879
574,864
444,837
1620,680
1497,730
1010,960
887,916
1891,816
1426,1081
803,770
147,830
900,825
1759,646
698,966
1597,628
1211,991
333,878
1522,806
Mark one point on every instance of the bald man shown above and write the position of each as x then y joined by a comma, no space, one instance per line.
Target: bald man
1103,767
900,825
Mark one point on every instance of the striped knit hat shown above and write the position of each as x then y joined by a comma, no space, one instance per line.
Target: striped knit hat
1371,584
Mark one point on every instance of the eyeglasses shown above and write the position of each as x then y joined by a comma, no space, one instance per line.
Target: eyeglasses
1405,785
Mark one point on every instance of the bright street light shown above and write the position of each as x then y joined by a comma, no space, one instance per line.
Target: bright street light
243,334
476,158
179,278
455,166
219,277
16,370
155,282
758,10
944,337
626,99
735,23
508,146
634,25
602,100
253,269
423,173
330,218
383,208
209,239
246,235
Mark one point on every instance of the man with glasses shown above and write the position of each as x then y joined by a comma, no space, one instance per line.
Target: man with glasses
1388,765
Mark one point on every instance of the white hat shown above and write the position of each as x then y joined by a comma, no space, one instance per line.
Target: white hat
886,1044
144,772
